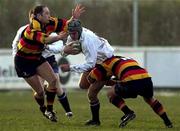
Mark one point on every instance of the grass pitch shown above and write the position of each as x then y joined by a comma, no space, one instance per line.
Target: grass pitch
19,112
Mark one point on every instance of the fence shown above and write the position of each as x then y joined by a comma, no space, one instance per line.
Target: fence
162,63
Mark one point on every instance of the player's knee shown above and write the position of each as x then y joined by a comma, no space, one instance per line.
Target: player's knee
84,85
149,100
51,89
53,82
92,97
39,94
110,94
118,89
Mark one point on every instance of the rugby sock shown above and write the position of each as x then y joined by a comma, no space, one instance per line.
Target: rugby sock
95,106
50,96
158,109
165,118
120,103
156,106
64,102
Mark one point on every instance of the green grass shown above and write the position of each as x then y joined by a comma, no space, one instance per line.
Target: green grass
19,112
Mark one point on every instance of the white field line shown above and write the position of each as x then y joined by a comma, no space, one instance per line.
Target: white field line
168,94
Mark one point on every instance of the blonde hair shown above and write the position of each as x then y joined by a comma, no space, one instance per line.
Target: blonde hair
31,15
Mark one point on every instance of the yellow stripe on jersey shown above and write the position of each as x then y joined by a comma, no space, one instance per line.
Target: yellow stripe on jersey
55,21
108,65
28,51
66,26
36,25
41,37
29,35
19,46
125,65
136,77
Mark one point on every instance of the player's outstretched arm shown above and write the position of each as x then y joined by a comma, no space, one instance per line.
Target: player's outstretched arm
76,13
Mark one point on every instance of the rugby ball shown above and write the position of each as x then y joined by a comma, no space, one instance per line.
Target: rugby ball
76,44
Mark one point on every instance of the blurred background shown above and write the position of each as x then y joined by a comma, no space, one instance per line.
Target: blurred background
147,30
157,23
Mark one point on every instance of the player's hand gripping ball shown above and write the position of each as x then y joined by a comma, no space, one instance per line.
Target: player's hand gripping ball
76,44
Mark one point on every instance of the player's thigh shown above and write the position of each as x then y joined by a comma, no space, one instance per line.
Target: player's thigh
84,83
94,90
53,63
35,82
47,73
59,88
111,92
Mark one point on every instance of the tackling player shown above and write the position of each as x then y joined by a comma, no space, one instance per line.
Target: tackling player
132,80
101,65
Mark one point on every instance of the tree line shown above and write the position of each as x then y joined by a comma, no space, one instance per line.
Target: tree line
159,20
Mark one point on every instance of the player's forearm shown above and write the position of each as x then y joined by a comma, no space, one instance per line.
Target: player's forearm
56,47
51,39
80,68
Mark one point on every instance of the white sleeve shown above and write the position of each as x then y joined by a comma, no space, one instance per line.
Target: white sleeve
14,44
16,40
90,52
56,47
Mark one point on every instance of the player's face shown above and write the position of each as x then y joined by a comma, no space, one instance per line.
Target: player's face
74,35
45,16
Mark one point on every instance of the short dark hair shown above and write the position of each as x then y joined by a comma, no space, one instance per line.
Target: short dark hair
38,9
75,25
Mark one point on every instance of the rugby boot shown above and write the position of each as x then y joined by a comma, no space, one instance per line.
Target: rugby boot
126,119
51,115
93,123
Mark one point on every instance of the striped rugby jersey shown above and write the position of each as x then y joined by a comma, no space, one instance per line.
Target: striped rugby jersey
124,69
31,43
127,69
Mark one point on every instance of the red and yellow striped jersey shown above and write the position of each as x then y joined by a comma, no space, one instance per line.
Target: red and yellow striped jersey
124,69
33,37
127,69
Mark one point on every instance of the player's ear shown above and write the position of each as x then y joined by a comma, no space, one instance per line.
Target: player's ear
39,16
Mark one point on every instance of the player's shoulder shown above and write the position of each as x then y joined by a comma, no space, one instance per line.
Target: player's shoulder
22,28
87,33
85,30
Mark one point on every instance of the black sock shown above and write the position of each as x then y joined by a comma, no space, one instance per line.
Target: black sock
165,118
49,107
95,110
50,96
40,101
64,102
126,110
119,103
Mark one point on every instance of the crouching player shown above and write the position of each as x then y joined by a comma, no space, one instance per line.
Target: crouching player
133,80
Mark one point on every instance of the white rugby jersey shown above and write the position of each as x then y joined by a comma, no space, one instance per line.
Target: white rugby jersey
95,49
16,39
54,48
